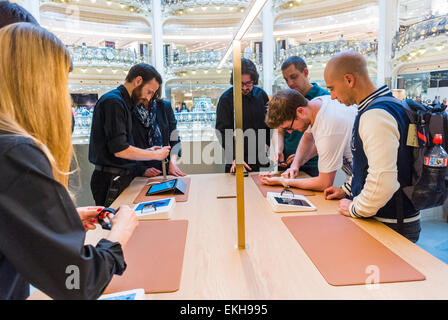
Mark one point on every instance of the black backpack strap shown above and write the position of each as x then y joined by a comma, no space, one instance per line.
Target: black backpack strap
385,99
400,210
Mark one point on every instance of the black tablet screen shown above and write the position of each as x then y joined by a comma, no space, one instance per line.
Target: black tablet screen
292,202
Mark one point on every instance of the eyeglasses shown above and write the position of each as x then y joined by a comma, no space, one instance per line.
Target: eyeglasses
247,84
290,127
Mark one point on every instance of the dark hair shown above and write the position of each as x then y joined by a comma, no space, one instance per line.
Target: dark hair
247,67
298,62
12,13
283,106
147,73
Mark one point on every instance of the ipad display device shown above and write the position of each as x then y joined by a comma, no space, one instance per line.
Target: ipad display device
176,186
289,203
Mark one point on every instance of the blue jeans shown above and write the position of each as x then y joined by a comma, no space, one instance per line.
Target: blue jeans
410,230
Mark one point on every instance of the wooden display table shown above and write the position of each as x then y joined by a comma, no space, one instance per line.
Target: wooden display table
274,266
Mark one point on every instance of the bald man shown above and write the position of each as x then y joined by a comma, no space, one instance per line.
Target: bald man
382,163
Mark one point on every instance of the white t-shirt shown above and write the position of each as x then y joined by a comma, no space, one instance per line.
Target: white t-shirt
332,132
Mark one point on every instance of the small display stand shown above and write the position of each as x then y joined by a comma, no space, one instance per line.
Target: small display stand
287,201
155,210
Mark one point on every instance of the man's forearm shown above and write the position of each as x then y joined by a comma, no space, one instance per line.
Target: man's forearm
278,140
137,154
319,183
305,151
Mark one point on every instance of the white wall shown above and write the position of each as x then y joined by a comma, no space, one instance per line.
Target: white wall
442,92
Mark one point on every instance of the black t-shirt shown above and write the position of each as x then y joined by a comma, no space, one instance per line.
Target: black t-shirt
112,129
41,234
254,113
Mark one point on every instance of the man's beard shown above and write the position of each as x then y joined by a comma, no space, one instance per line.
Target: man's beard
246,92
137,97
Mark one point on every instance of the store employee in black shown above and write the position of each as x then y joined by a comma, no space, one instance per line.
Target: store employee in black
257,133
112,149
155,125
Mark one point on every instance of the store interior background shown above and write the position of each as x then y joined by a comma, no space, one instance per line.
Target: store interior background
404,41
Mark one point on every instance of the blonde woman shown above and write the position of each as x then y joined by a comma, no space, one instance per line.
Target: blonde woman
41,232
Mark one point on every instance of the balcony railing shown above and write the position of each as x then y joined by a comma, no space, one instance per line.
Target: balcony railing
420,31
197,59
200,60
83,56
312,51
181,4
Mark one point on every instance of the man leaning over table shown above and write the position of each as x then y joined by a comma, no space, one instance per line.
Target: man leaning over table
381,160
329,124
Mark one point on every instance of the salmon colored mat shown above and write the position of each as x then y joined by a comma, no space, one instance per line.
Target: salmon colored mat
154,256
345,254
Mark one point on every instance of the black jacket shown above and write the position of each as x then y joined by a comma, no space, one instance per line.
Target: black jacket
254,113
41,234
112,129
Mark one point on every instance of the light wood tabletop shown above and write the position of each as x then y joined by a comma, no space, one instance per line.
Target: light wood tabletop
274,266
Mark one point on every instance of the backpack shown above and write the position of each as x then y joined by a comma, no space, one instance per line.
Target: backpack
429,187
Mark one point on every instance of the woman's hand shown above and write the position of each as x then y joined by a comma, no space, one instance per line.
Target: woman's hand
88,216
123,225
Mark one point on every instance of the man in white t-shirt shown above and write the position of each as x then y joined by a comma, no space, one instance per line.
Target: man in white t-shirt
330,124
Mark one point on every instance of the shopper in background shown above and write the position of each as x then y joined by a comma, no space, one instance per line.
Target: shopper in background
184,108
41,232
112,149
443,104
330,125
295,72
154,124
11,13
254,111
382,161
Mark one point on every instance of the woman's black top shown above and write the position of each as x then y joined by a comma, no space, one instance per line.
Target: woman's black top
41,234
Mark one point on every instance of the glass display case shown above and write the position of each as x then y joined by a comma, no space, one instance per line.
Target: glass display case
83,105
196,126
83,123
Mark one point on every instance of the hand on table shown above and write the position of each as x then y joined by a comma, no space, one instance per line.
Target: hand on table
334,193
152,172
233,167
174,170
344,206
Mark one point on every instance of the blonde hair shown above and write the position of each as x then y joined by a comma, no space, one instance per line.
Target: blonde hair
34,97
